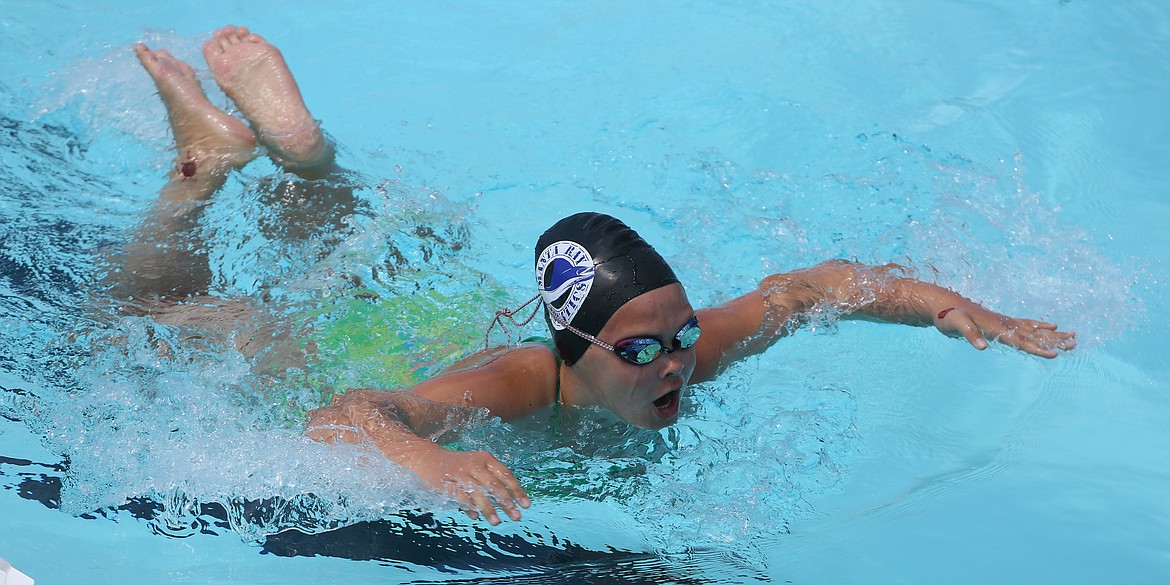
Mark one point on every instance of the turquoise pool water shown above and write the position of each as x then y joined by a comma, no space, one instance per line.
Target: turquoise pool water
1013,150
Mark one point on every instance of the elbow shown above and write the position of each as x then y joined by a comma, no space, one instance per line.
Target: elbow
348,413
330,424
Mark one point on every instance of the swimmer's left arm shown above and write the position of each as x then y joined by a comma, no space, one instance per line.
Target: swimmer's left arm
749,324
882,294
919,303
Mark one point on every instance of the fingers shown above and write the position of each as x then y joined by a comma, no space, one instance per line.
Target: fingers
506,490
974,337
1039,324
503,488
486,485
1031,346
1041,341
483,499
484,505
1038,338
958,321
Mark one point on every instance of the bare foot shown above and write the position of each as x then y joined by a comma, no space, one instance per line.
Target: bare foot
208,139
253,73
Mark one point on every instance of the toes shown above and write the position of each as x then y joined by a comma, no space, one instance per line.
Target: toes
225,41
243,35
235,34
211,48
222,38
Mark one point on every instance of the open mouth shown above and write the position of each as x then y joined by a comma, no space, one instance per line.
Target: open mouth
667,405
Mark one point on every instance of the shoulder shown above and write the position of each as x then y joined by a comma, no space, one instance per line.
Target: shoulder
511,382
726,328
749,324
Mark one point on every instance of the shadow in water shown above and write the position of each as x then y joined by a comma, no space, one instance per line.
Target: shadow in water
411,538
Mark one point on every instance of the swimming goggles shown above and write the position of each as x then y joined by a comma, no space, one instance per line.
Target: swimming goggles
643,350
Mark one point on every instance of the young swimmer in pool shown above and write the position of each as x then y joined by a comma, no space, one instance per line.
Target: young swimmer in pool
624,335
625,338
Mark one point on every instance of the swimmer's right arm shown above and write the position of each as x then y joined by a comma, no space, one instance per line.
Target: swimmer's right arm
400,422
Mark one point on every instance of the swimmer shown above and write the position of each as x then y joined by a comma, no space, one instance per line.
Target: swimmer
625,338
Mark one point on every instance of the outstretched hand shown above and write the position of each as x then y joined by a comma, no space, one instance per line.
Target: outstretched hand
977,325
475,479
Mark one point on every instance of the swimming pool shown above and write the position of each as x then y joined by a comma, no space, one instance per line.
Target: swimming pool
1014,151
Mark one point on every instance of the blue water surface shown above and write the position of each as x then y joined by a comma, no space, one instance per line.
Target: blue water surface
1014,151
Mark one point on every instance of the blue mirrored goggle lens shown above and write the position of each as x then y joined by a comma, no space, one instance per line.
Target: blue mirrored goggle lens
643,350
639,351
689,334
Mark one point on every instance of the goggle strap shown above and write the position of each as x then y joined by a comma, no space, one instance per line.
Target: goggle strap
505,312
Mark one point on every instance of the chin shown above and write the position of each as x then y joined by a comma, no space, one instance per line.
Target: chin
659,425
651,423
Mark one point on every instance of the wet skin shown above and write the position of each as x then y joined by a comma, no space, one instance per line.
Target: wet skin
510,382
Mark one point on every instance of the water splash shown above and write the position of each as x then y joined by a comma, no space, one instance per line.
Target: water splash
109,95
145,410
974,228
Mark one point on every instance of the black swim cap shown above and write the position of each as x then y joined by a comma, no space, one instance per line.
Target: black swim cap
587,266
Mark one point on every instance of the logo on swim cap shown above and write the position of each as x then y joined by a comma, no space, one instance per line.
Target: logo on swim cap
564,274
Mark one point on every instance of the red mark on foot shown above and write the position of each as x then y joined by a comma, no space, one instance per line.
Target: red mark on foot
943,313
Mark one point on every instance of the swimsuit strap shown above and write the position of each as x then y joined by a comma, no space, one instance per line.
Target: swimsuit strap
552,346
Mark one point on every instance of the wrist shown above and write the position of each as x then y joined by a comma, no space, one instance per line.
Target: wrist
931,303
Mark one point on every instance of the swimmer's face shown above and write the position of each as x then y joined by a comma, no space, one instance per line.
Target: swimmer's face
649,395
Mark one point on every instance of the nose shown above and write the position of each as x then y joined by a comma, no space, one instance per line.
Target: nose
671,364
